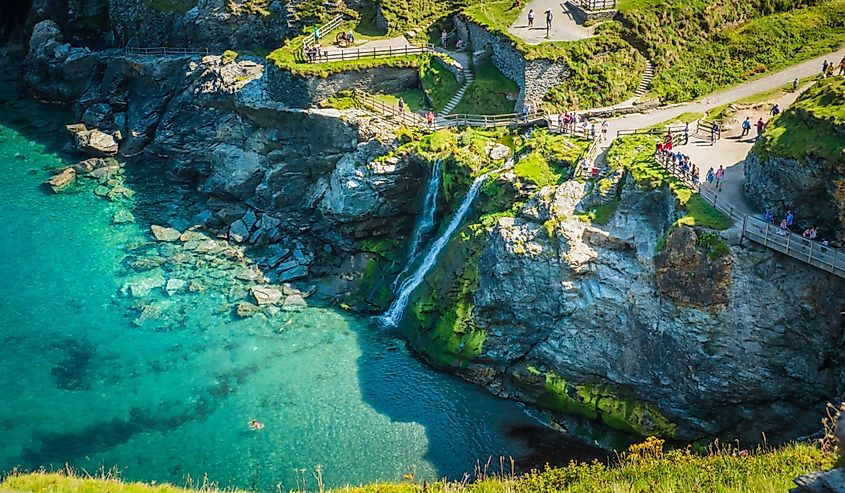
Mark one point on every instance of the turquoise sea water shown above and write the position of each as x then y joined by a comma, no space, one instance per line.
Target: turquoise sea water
86,378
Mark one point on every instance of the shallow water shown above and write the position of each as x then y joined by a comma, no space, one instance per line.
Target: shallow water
83,382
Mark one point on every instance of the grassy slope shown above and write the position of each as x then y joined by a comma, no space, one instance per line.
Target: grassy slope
699,46
438,83
644,468
488,93
809,126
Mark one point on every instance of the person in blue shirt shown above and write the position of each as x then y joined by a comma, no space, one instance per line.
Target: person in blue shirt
775,110
746,127
769,217
790,218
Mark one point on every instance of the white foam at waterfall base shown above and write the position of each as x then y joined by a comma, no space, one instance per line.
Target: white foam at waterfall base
394,314
425,222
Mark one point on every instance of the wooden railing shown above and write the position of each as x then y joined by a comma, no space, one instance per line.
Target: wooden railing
163,51
325,29
675,129
486,121
587,164
766,234
347,54
401,116
705,129
596,4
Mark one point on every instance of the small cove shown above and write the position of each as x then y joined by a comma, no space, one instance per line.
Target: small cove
161,386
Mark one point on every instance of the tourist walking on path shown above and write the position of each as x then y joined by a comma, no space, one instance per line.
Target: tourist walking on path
686,134
444,37
711,175
830,69
760,126
746,127
530,18
842,66
720,175
776,110
790,218
795,85
714,131
549,17
429,117
824,68
604,126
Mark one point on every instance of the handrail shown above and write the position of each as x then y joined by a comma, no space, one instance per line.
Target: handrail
674,129
326,28
587,162
164,50
759,231
404,117
597,4
348,54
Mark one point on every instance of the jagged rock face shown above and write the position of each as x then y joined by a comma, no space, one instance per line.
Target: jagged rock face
584,303
217,121
810,188
686,275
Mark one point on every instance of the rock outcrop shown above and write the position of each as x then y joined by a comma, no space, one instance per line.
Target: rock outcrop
583,319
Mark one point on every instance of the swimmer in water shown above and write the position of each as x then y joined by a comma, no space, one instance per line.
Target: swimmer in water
255,425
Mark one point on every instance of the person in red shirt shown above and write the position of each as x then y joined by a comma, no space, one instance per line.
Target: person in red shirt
760,126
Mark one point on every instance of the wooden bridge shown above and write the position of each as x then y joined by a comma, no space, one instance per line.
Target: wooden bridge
759,231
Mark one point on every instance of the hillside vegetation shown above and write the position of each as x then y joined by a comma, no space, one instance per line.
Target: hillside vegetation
645,467
813,126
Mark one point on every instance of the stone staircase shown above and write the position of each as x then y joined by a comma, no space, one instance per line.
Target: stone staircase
646,82
468,78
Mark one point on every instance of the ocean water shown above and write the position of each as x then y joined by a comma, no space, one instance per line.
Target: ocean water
161,387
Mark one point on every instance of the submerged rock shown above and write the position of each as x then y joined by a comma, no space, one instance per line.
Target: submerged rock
174,286
122,217
266,295
62,180
245,309
162,233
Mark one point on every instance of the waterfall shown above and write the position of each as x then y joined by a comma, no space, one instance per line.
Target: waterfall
425,222
393,314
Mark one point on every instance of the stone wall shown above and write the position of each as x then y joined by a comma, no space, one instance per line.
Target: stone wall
304,92
583,15
451,67
535,78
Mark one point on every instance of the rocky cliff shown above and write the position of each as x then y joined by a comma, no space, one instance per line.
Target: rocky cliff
799,164
682,337
214,24
301,178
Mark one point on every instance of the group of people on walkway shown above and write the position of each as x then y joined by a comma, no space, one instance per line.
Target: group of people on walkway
549,17
760,125
828,68
787,225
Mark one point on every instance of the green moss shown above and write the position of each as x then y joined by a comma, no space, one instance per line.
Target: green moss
548,158
446,332
491,93
229,56
180,6
438,83
596,401
601,214
713,244
253,7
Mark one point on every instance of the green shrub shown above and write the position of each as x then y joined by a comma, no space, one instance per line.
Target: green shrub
438,83
713,244
229,56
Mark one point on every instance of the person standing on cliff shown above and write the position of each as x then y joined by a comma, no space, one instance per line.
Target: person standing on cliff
549,17
444,37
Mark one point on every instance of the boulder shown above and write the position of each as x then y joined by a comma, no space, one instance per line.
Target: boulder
821,482
266,295
162,233
238,232
143,287
62,180
93,141
245,309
